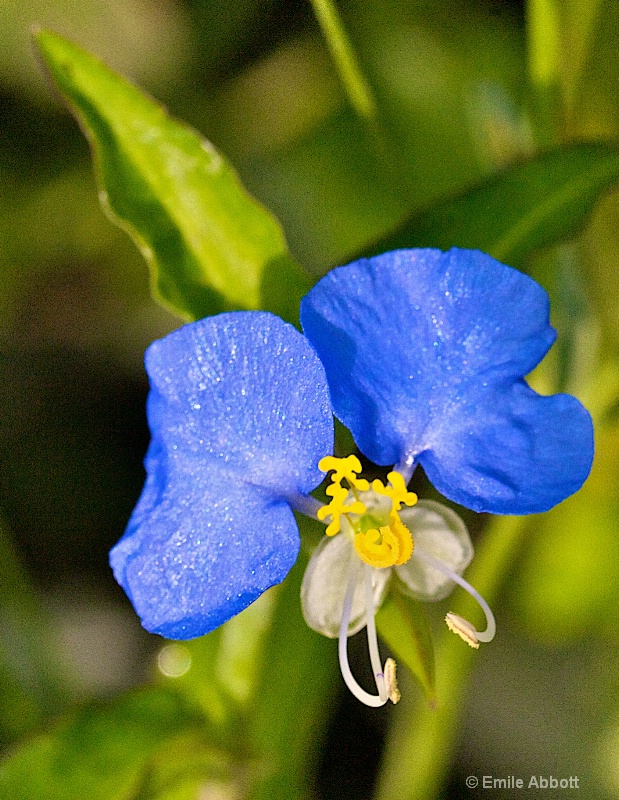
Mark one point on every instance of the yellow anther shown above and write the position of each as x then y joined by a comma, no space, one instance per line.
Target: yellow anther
397,491
389,546
391,683
378,548
384,547
337,507
463,628
334,489
404,537
344,468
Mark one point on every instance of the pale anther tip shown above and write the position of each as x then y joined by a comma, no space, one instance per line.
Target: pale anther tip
463,628
391,683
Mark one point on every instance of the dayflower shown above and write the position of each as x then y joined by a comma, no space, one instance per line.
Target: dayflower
422,354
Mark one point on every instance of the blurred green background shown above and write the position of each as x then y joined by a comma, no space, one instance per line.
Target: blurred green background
459,97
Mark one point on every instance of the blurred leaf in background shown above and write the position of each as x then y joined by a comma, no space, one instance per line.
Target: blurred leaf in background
144,744
152,43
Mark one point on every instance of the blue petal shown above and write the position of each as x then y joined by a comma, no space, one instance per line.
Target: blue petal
512,451
240,416
204,551
422,350
246,390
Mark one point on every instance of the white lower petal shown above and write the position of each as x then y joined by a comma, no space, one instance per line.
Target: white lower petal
324,587
440,532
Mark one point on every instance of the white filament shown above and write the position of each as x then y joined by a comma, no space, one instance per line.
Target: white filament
406,467
372,700
371,634
305,504
482,636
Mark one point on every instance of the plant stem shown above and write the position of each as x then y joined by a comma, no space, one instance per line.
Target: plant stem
543,52
420,746
544,68
347,65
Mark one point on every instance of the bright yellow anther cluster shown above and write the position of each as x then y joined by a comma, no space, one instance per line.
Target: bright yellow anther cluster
404,537
384,546
343,469
389,546
337,507
397,492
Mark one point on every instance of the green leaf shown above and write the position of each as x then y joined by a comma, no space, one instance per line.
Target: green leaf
188,666
113,751
521,209
219,671
209,245
402,623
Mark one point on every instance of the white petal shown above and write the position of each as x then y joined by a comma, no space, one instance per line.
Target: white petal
440,532
324,586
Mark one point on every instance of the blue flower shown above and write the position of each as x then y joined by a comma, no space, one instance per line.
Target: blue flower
422,354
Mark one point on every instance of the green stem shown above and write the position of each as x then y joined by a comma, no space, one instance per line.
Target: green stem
421,742
543,52
357,88
544,68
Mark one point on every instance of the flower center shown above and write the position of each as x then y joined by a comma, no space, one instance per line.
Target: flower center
381,538
390,545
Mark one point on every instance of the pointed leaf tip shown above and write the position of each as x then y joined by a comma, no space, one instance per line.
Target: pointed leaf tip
208,243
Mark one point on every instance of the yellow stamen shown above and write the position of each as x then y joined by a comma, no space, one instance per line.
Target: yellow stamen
337,507
389,546
463,628
382,546
378,548
344,468
397,491
391,684
404,537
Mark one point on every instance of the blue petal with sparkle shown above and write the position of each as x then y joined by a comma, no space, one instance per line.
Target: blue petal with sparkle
240,416
425,354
